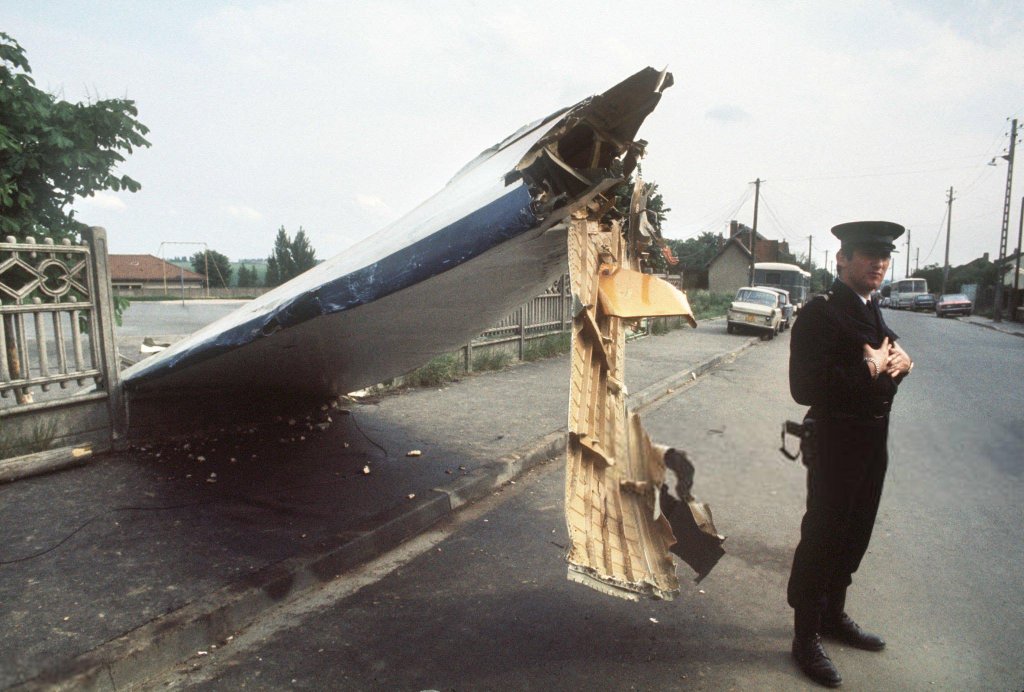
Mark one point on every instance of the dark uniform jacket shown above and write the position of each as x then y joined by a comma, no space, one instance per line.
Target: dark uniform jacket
827,370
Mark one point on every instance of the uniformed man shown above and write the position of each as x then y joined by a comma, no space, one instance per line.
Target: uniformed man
845,364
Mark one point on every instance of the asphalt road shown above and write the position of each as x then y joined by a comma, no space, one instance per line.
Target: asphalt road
481,602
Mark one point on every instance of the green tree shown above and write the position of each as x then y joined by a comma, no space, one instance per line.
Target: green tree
289,258
656,214
695,253
219,267
821,280
303,253
280,264
52,151
273,276
246,276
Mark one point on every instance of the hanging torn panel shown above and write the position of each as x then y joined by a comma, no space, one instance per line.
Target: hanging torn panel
625,510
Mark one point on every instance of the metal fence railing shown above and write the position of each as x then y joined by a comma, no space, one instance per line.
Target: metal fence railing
56,326
545,315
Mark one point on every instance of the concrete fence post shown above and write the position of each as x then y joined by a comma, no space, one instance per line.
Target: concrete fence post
104,330
522,331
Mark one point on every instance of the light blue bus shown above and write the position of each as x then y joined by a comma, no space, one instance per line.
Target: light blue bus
787,276
903,292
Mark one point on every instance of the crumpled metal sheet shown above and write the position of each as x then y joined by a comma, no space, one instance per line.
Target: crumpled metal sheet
627,500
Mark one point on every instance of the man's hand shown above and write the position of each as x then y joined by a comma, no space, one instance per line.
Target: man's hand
879,357
898,362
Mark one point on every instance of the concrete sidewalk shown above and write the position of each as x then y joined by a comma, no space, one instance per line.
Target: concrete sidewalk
1006,326
117,569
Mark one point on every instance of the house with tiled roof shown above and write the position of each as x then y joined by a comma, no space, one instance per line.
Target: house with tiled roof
142,274
729,269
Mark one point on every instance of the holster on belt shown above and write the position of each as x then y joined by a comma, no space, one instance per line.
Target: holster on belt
807,436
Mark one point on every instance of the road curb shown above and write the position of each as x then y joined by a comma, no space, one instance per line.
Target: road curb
993,328
208,621
646,399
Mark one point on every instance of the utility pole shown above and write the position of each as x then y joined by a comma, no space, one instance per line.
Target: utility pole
917,260
825,278
753,231
907,275
810,244
1016,269
998,317
949,223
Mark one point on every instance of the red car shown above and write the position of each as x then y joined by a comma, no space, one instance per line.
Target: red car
952,304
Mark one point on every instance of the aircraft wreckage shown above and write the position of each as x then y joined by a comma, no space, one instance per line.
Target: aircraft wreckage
499,233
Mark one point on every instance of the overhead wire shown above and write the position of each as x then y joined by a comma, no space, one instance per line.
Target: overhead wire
775,217
937,235
851,176
713,221
964,190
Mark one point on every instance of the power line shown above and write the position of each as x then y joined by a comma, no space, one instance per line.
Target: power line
937,234
731,211
775,217
875,175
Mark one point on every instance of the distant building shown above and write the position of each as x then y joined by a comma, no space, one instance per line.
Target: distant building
730,268
142,274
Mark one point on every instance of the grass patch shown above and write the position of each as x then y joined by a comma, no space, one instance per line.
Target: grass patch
706,304
439,371
663,325
491,359
548,346
39,440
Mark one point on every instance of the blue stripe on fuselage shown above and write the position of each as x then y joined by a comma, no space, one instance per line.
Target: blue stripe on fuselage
471,236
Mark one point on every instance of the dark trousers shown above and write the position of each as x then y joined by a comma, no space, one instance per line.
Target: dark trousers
844,486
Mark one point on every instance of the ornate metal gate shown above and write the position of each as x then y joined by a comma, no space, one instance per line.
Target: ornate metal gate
57,356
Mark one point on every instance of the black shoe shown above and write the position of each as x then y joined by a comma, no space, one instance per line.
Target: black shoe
844,629
814,662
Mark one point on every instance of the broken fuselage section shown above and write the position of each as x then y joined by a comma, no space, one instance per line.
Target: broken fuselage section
495,236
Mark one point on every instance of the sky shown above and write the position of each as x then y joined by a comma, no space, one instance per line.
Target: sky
340,117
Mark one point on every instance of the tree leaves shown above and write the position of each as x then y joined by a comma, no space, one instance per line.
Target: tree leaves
289,258
52,151
216,267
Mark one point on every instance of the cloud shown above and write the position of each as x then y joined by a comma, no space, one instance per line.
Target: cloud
727,113
243,212
105,200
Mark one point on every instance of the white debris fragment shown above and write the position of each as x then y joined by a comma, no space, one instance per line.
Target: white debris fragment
654,620
413,453
411,495
366,470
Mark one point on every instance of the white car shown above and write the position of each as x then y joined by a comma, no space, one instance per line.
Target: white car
756,308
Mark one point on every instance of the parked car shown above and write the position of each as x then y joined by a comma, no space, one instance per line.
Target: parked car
925,301
756,308
884,303
953,304
784,304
